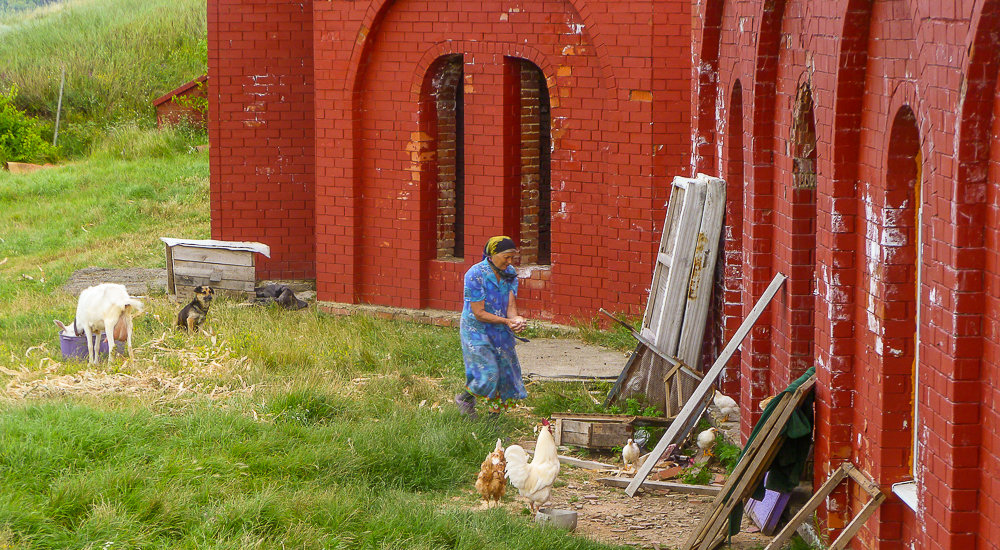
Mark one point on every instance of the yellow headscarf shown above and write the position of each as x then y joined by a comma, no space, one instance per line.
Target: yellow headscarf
498,244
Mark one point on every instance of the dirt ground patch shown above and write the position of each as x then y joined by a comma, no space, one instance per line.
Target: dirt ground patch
139,281
653,519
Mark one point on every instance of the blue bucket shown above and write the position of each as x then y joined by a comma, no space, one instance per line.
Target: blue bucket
75,347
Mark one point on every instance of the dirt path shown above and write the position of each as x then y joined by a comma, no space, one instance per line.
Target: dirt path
568,358
659,520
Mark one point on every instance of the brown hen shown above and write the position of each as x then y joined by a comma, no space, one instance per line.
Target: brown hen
491,483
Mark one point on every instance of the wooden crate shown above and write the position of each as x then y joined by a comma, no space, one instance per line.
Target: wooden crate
599,431
229,267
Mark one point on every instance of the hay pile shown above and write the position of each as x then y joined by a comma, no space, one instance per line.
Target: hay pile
160,370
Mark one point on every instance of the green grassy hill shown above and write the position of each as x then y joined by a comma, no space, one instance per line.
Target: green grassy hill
119,55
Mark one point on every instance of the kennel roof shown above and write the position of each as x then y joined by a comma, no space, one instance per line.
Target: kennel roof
228,245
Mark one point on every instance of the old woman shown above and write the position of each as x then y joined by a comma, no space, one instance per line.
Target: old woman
489,321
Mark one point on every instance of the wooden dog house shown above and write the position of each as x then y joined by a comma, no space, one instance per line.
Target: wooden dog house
227,266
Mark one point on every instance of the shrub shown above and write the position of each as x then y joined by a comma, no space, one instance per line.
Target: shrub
20,140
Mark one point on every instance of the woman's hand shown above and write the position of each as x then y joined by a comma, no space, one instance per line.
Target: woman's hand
517,323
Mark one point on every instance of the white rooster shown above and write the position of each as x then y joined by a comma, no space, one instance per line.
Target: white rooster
726,405
534,480
630,456
706,441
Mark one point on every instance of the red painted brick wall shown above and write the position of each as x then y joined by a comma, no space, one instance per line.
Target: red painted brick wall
173,112
620,104
261,130
854,259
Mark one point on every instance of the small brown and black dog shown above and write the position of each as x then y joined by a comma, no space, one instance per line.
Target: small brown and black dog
195,312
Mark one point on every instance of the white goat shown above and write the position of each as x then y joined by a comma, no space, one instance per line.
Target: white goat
100,309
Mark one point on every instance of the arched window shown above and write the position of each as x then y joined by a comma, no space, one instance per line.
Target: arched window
729,271
528,145
802,283
443,101
900,293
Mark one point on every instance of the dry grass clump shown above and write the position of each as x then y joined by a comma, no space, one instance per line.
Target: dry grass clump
166,371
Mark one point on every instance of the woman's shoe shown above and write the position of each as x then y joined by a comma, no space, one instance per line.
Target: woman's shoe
466,405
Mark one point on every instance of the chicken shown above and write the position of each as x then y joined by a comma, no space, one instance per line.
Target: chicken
706,440
764,402
491,483
630,456
534,480
726,405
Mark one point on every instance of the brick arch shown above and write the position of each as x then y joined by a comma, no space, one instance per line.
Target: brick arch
974,206
380,8
708,86
729,279
523,51
437,154
837,238
757,364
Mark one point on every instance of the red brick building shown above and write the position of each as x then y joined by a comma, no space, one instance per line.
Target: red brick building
859,142
188,101
375,145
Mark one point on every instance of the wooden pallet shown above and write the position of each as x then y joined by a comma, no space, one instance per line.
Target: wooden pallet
846,470
599,431
749,471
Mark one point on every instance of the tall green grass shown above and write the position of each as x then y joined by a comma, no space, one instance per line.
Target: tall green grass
78,477
119,55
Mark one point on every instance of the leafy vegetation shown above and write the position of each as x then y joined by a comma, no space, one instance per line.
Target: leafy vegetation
726,453
697,474
119,55
20,140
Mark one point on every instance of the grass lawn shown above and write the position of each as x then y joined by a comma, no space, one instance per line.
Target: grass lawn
274,430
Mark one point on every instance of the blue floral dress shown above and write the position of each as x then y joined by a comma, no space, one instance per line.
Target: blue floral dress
491,366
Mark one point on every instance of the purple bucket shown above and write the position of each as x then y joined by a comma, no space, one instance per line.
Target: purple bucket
75,347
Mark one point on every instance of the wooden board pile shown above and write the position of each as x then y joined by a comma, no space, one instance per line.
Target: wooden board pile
674,323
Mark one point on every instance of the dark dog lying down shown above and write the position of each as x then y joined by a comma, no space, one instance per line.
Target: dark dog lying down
197,310
280,294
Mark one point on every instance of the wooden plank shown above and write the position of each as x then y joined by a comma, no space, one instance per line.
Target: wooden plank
575,433
213,255
859,520
170,273
630,365
657,288
706,490
699,291
684,237
846,470
185,285
620,418
221,271
697,399
745,484
585,464
747,470
607,435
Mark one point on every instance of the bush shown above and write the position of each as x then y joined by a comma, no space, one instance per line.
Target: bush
20,138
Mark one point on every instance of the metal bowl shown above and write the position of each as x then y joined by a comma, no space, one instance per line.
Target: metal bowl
563,519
